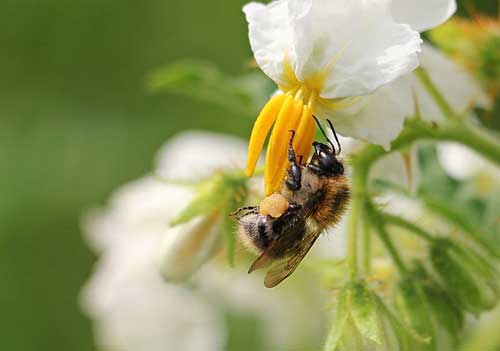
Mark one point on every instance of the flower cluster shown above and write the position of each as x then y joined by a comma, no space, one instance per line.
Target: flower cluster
356,64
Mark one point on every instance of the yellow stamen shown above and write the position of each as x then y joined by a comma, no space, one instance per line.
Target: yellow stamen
276,157
305,134
260,130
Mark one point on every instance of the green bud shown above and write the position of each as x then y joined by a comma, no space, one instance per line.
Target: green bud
362,322
445,310
414,310
467,277
213,193
217,195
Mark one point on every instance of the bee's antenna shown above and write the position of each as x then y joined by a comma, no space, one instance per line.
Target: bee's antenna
324,134
335,135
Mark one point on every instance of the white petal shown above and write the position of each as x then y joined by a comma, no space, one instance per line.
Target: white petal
186,247
194,155
380,116
275,309
269,34
357,39
458,88
132,308
141,207
461,162
422,15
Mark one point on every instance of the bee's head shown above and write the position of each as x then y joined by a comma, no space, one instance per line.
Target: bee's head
324,161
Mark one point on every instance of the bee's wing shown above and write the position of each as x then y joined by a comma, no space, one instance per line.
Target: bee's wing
264,260
283,269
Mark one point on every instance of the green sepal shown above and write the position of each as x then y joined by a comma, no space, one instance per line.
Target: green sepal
210,193
364,312
340,321
236,200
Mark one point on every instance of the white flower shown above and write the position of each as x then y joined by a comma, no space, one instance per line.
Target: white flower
386,109
323,55
276,310
131,304
191,157
132,307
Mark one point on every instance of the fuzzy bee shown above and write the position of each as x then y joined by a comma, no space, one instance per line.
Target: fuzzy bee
285,225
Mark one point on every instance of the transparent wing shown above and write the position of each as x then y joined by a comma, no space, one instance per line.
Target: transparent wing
283,269
264,260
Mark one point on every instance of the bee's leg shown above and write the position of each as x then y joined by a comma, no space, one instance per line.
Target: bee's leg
294,179
244,211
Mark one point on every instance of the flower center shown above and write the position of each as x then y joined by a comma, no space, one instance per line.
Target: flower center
292,110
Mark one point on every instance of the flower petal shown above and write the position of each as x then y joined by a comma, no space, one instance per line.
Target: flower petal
132,308
458,88
269,34
355,45
194,155
139,207
422,15
378,118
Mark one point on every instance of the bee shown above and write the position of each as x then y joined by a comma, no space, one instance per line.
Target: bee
284,227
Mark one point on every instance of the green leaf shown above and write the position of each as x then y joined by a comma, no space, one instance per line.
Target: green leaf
209,196
364,312
203,81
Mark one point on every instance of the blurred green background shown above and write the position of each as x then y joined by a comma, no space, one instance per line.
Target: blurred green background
76,121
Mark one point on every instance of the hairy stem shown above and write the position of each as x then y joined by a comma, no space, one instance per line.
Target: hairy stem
439,99
380,227
412,228
367,247
361,162
358,185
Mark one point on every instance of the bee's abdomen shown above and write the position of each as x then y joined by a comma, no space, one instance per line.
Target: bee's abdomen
255,232
336,195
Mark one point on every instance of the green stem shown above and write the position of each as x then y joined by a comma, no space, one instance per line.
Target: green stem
403,223
367,247
415,129
358,184
459,131
380,226
472,230
431,88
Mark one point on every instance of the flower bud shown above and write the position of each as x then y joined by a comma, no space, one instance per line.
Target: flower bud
467,277
413,307
195,234
445,310
187,246
363,322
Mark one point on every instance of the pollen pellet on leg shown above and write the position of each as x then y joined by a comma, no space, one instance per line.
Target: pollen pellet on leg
273,205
